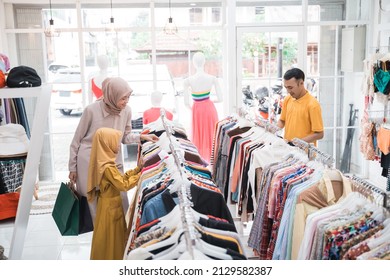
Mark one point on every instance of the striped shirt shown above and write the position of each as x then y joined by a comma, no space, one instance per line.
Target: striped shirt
200,96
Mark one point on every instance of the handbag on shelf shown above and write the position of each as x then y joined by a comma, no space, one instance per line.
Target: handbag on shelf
71,212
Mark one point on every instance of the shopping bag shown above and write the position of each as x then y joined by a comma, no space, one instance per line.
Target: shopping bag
85,218
71,212
66,211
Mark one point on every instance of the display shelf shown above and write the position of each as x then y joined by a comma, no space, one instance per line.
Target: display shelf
43,94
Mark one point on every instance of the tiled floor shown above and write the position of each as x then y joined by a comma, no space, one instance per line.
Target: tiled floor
44,242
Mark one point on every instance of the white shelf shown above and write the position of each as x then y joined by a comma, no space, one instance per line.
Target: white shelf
43,94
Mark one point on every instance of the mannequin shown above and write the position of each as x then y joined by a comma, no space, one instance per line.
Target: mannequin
204,114
153,113
96,80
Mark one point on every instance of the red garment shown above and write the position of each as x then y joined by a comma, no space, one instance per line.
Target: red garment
2,79
9,205
97,91
153,114
204,118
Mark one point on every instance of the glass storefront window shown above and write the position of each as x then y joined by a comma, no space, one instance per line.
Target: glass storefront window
339,10
123,17
268,11
63,50
63,18
200,15
266,55
326,11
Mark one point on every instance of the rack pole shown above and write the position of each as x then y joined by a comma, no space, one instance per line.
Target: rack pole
184,202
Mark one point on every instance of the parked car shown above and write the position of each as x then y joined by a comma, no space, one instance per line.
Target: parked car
67,91
55,67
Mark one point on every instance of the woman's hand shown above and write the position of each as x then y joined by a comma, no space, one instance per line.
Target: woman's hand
149,137
72,177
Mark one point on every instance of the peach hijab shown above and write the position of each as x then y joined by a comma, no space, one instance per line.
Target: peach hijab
114,89
105,147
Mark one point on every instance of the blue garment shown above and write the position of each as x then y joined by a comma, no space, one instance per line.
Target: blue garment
283,242
154,208
197,172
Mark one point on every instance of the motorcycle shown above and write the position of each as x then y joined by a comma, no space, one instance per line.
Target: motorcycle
262,99
248,98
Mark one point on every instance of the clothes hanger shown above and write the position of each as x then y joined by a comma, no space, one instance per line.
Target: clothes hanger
196,255
243,122
203,250
386,223
174,252
227,233
212,250
171,220
385,57
382,239
170,241
352,201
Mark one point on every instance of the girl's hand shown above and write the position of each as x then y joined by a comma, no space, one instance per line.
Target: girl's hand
140,162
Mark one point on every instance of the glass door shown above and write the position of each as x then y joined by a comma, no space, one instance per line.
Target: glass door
263,55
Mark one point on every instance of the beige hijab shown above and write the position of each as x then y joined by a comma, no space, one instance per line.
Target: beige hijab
113,90
105,147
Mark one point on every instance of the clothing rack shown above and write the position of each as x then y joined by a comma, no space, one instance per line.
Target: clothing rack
266,124
362,186
313,152
379,116
184,192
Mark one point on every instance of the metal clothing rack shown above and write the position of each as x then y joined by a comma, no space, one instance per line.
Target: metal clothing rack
266,124
368,190
313,152
379,116
184,192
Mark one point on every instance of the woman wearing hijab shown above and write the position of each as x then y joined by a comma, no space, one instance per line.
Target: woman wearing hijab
106,182
111,111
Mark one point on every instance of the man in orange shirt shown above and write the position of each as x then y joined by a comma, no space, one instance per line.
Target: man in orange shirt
301,115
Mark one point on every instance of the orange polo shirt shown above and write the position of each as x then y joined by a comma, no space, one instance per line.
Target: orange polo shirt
301,116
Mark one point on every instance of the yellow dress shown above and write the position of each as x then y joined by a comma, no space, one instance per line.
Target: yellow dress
108,240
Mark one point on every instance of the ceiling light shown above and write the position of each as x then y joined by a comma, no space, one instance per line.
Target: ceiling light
50,31
170,27
111,27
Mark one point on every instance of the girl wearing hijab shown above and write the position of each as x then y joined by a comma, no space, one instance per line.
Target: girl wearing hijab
106,182
111,111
